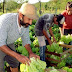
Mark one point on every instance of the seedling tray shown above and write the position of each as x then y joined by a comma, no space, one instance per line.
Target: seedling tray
68,52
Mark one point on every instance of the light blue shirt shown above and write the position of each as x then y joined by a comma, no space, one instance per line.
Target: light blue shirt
10,30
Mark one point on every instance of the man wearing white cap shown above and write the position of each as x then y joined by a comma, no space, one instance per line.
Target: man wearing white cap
13,26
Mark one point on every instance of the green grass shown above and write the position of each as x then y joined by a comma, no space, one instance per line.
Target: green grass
13,11
1,13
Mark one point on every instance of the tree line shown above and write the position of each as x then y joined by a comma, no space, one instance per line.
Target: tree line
51,5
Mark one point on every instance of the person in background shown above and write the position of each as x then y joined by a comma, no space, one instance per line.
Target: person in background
67,26
43,24
13,26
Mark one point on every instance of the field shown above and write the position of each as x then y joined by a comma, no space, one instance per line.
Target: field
34,41
65,64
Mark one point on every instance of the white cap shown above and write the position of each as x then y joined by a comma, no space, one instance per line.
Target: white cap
29,10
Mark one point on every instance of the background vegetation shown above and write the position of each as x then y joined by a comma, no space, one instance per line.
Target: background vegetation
53,6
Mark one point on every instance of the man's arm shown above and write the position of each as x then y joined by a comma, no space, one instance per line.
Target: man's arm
61,31
31,54
44,32
51,32
20,58
28,48
8,51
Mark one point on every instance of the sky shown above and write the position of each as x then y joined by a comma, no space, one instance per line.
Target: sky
31,1
1,1
35,1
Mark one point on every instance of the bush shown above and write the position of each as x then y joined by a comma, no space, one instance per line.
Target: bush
11,5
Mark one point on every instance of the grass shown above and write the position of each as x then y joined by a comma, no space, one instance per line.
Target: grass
13,11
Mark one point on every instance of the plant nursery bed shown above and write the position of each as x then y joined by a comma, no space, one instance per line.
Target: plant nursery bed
60,70
68,52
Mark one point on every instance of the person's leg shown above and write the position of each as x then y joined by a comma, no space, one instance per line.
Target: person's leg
2,61
12,61
14,69
42,45
65,33
70,32
47,43
42,53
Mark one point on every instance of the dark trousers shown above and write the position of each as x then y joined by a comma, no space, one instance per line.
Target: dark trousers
66,32
42,51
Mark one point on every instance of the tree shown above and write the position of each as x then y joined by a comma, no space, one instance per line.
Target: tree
3,5
11,5
46,6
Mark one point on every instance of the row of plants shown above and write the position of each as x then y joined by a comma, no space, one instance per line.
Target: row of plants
53,48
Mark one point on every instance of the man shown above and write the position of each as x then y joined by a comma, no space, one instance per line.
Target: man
67,26
43,24
13,26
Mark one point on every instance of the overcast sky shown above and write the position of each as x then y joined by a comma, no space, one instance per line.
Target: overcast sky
31,1
35,1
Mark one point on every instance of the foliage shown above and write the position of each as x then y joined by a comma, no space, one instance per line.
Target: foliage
66,39
11,5
33,22
55,48
67,69
53,6
56,32
61,64
0,5
35,42
22,50
46,7
69,60
60,4
18,42
35,66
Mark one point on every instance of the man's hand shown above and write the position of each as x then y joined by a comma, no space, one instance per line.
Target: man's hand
24,59
54,40
50,42
31,54
20,58
34,55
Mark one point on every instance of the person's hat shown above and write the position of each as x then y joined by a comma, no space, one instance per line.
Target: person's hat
29,10
60,19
